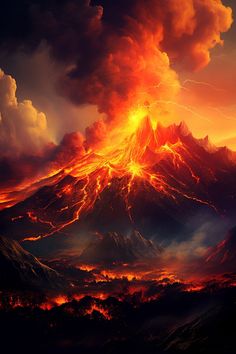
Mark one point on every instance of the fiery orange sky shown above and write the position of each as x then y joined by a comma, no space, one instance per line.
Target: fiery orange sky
211,93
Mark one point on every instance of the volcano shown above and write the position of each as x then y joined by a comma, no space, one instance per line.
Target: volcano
153,179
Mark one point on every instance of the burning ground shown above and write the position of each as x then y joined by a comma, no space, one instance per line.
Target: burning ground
115,311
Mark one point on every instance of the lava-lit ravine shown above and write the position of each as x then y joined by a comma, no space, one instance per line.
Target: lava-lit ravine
130,157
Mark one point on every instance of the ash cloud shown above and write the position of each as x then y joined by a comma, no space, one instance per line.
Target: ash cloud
129,48
116,54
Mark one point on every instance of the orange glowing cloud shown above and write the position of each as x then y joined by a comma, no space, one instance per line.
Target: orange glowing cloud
194,27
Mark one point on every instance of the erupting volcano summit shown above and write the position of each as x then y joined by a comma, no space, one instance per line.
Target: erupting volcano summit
140,171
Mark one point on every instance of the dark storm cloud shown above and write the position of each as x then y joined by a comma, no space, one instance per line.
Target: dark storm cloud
26,23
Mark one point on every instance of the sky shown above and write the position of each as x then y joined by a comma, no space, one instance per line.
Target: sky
216,102
30,54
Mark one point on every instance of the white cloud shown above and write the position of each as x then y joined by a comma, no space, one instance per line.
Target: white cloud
23,129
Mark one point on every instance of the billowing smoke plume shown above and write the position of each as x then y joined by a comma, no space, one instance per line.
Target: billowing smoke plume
119,54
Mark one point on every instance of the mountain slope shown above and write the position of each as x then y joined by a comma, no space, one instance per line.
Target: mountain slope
21,270
223,255
211,332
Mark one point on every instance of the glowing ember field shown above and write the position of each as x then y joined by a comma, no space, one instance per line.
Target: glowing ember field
134,285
